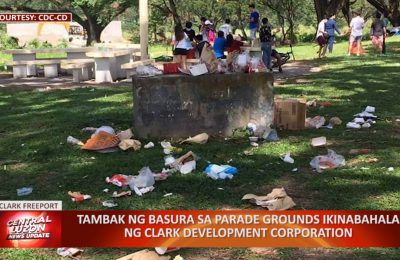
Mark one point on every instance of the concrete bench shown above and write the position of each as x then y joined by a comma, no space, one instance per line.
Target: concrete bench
131,66
50,67
82,69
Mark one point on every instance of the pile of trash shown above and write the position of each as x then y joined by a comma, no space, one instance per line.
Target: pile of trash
276,200
320,122
105,140
364,119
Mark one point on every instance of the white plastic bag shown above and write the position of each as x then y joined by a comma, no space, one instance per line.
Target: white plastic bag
143,180
330,161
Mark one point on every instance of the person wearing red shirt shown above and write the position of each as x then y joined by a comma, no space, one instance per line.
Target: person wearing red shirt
232,44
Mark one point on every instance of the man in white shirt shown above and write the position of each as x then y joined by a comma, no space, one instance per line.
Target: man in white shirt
357,25
226,28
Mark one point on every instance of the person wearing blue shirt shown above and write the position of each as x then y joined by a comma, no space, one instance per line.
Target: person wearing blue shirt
254,22
219,46
330,28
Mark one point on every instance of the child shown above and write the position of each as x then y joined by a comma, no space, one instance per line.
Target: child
219,46
226,28
189,31
232,44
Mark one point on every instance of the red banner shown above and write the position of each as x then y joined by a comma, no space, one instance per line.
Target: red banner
200,229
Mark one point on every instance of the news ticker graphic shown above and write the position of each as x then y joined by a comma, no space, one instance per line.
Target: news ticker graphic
30,205
35,17
138,229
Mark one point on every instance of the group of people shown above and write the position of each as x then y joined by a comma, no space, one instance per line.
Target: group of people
327,27
189,45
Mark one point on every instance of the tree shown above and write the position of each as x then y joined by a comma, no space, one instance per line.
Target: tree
92,15
390,8
327,7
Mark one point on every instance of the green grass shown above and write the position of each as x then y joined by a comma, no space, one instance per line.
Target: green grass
33,152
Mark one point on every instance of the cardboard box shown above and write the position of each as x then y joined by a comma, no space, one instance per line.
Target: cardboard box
290,114
199,69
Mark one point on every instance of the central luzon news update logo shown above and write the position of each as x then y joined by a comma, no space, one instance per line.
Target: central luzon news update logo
29,226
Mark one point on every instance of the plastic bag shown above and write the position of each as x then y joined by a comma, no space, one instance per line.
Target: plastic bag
316,122
148,71
221,172
326,162
143,180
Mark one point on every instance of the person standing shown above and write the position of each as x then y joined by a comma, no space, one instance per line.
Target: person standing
330,28
182,46
233,45
321,38
226,27
378,33
203,28
266,42
356,25
220,45
254,22
189,31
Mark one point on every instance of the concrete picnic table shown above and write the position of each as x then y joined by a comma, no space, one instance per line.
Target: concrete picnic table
254,51
108,63
30,55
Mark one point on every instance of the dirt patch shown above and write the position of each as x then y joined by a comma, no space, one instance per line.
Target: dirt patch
295,73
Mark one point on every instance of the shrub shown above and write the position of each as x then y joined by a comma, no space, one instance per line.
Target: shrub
7,42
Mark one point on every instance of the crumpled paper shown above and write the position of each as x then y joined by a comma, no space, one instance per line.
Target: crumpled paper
276,200
198,139
130,143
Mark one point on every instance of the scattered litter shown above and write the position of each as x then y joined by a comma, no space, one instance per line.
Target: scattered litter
74,141
119,180
186,163
360,151
178,257
352,125
168,195
71,252
287,158
24,191
254,144
78,197
364,119
149,145
319,141
391,169
335,121
130,143
125,135
295,170
160,176
169,160
89,129
107,129
329,161
270,135
370,109
144,255
316,122
366,125
147,71
276,200
169,149
166,250
100,141
142,191
253,139
220,188
121,194
252,128
312,103
143,180
364,168
198,139
221,172
109,204
106,190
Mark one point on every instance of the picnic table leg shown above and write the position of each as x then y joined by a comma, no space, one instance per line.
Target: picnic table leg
105,70
51,70
121,74
30,69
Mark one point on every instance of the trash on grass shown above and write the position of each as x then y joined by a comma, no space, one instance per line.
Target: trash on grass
360,151
168,195
186,163
149,145
144,255
220,172
78,197
271,135
106,190
253,139
119,180
352,125
254,144
276,200
335,121
142,191
287,158
101,141
169,160
69,252
329,161
107,129
125,135
316,122
160,176
391,169
169,149
72,140
319,141
130,143
24,191
166,250
143,180
109,204
121,194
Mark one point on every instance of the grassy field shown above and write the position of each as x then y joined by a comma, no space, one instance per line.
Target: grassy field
33,152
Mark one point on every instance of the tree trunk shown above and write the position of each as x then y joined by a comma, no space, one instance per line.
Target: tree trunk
174,12
240,19
93,30
326,7
390,11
